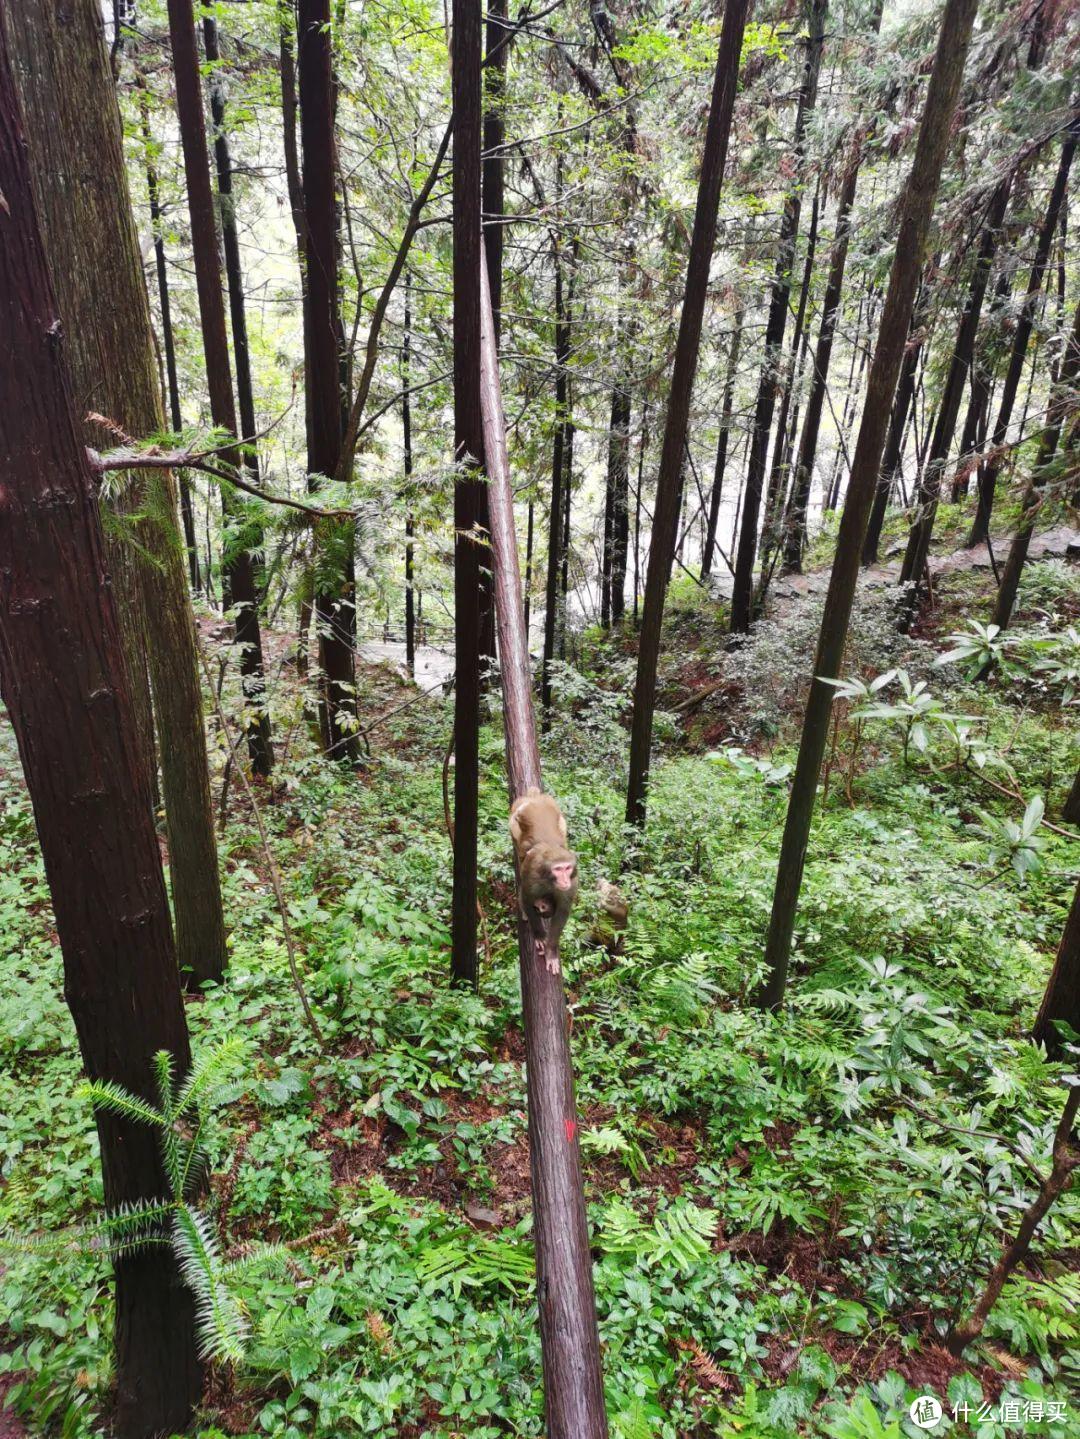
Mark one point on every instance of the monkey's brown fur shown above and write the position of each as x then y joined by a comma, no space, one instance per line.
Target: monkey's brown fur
607,927
546,868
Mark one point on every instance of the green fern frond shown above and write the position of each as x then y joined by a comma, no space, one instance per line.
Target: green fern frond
222,1326
165,1073
115,1099
269,1256
131,1227
207,1072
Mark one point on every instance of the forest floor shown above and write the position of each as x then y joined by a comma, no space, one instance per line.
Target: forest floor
787,1212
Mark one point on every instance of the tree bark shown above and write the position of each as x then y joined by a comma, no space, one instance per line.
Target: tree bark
742,597
335,597
234,270
619,490
494,164
1070,810
168,342
469,497
796,526
716,493
1066,1157
407,465
893,457
1061,999
74,132
774,500
556,521
569,1340
65,684
918,545
290,108
237,569
1025,323
666,512
1061,400
913,230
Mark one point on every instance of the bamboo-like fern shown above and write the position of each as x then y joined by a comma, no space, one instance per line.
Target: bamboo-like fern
175,1219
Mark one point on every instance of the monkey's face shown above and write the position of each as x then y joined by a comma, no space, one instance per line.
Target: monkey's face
563,874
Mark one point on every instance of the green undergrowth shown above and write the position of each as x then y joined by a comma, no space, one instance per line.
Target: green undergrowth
787,1212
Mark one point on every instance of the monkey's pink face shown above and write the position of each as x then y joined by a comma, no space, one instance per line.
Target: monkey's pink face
563,875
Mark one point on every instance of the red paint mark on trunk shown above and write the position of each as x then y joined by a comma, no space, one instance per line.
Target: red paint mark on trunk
570,1125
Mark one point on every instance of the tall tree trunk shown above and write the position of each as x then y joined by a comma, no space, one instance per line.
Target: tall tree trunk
851,400
912,232
494,165
76,151
774,500
918,545
1062,398
557,519
290,108
529,532
742,596
977,419
1070,810
66,688
569,1341
498,34
893,456
717,490
335,596
666,512
230,236
237,566
406,435
643,445
466,49
168,341
1061,999
619,488
1025,323
798,506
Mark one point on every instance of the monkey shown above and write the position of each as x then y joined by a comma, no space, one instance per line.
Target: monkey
607,927
547,870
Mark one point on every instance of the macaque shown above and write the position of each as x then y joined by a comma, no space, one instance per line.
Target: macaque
547,870
607,928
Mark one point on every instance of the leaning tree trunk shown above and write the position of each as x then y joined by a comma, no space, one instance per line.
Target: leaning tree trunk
668,496
65,684
334,591
569,1339
1025,323
742,596
74,132
466,49
1061,401
912,233
238,568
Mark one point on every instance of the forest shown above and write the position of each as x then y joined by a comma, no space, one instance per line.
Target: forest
539,764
